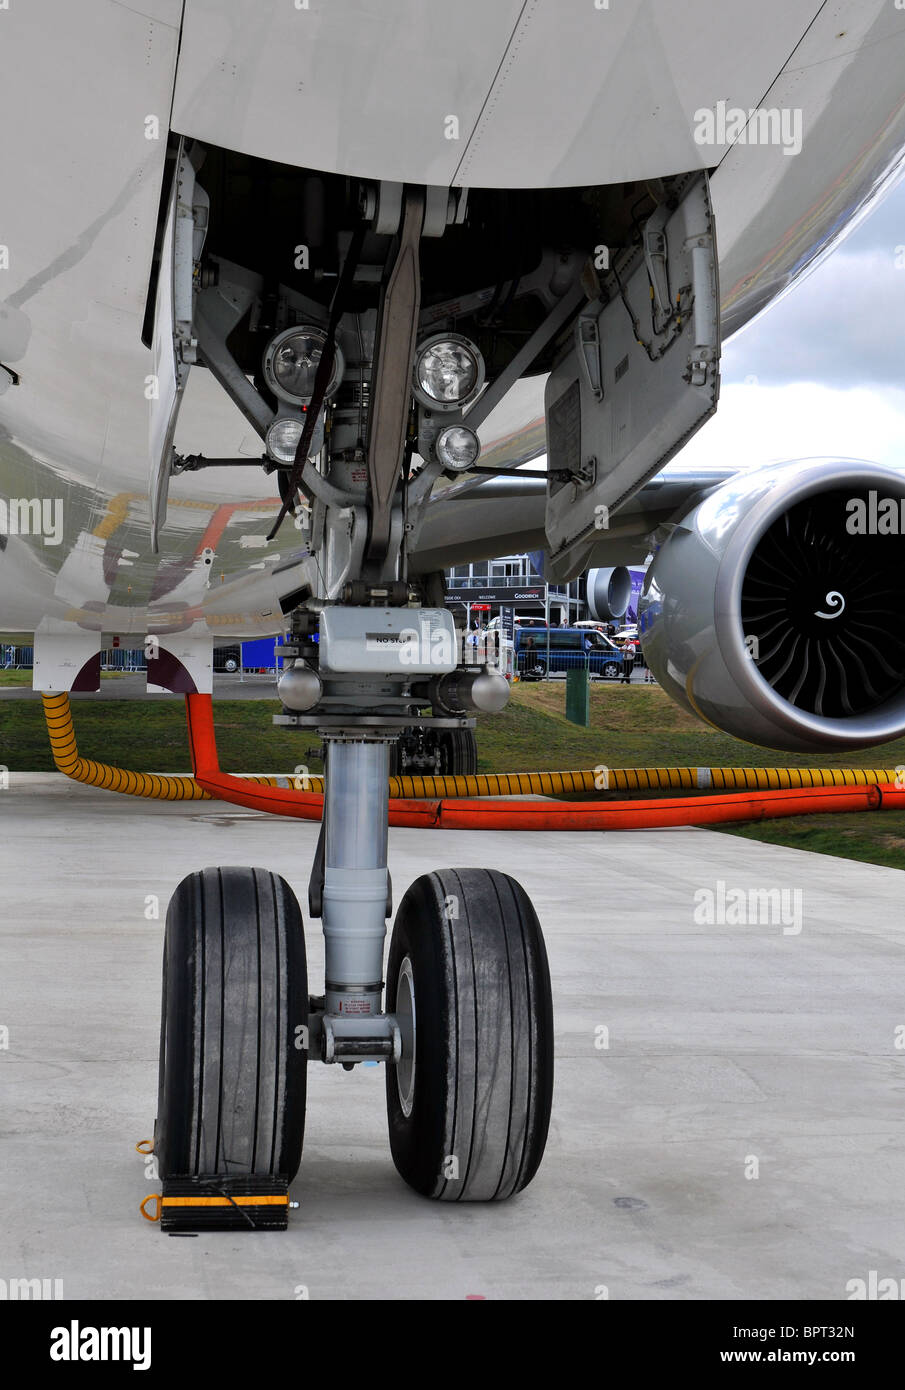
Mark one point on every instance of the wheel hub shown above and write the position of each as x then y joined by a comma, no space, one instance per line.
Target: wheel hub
405,1018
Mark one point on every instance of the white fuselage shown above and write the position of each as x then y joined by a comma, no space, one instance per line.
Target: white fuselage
545,94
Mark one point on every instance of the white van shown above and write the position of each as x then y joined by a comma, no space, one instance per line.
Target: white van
520,621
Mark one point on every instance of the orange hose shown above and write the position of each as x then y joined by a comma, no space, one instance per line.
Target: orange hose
226,787
531,815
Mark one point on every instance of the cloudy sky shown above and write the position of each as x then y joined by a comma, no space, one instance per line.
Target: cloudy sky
823,370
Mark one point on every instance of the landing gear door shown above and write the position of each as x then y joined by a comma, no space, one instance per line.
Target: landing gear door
172,346
641,375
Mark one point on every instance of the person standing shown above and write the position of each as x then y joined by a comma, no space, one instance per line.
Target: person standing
528,655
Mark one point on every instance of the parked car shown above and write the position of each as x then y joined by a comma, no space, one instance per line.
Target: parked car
562,648
227,659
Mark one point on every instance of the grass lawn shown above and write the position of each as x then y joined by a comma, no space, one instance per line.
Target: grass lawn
630,727
22,677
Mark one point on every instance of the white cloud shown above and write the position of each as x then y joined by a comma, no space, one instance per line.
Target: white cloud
828,362
757,424
841,326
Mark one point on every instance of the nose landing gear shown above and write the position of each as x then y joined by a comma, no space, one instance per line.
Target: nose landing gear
467,1032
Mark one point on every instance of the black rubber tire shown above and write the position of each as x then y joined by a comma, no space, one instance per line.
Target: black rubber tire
612,671
483,1079
458,753
233,1058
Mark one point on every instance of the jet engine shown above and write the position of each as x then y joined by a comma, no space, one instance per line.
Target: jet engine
775,610
608,592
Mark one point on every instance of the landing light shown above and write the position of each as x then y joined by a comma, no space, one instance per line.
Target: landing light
449,370
282,438
291,361
457,448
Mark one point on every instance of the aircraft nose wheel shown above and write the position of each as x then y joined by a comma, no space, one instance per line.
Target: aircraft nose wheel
469,1101
233,1047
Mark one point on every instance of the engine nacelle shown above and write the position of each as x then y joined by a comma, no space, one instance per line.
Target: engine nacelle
608,591
776,609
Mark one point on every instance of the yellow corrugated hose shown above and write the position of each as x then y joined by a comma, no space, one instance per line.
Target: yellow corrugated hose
601,779
159,786
58,716
164,787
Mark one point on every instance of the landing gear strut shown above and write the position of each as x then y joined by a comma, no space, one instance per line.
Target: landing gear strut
467,1033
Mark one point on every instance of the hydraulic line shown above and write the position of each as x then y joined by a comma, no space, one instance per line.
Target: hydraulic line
773,792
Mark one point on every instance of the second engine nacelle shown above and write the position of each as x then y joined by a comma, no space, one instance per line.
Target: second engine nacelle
776,609
608,592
